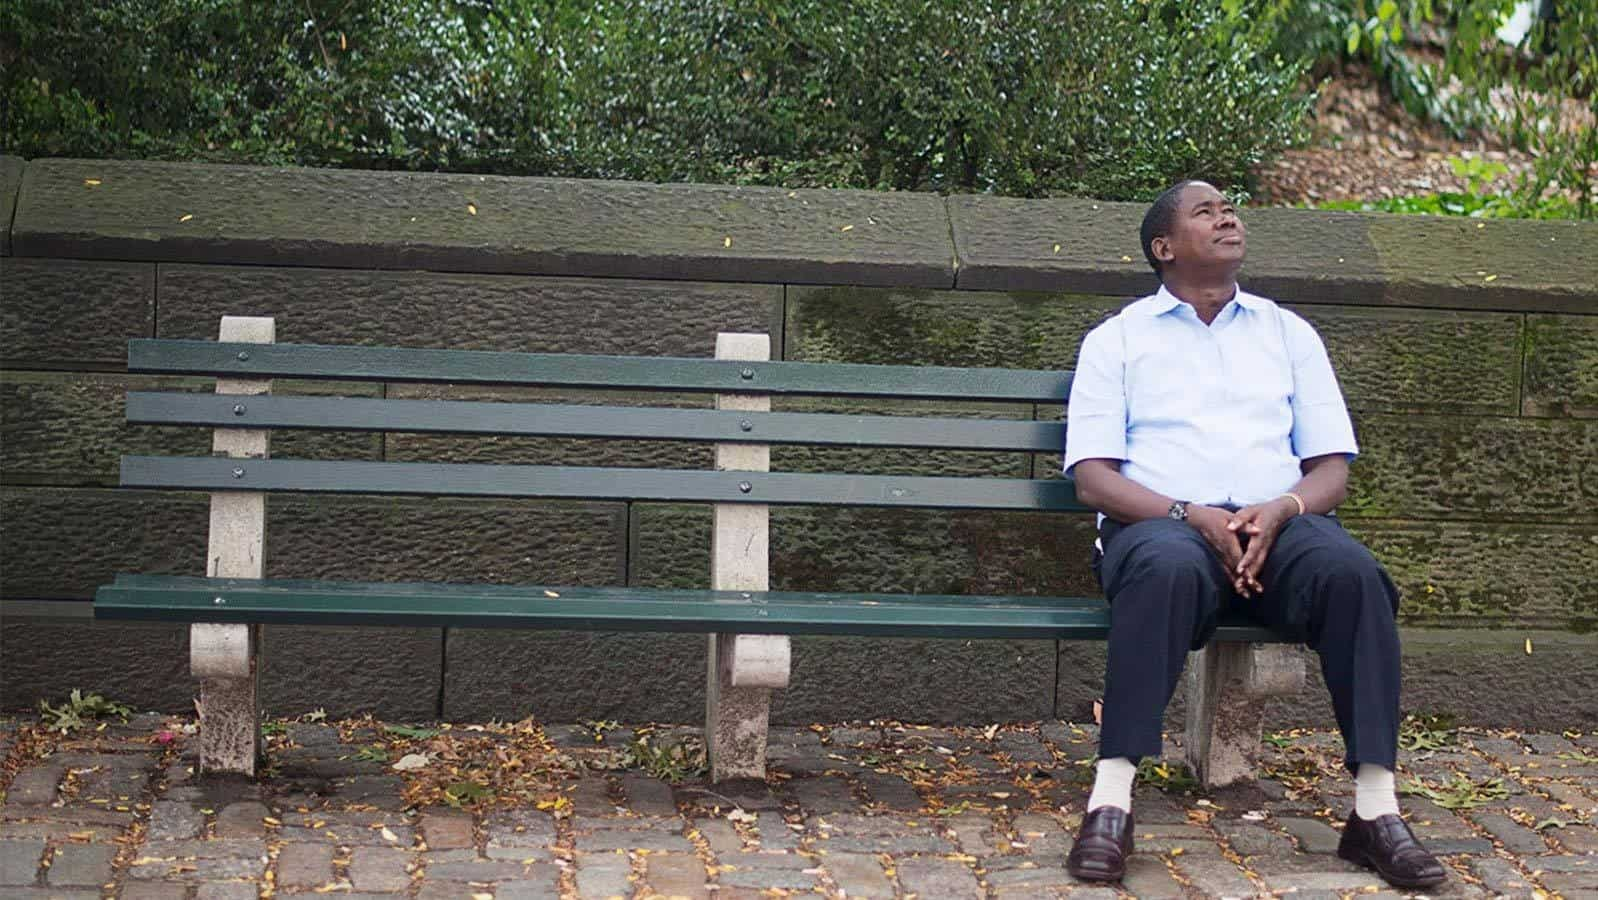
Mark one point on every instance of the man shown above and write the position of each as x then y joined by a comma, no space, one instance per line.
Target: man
1207,427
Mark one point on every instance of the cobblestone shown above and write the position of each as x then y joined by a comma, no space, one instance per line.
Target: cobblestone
82,865
343,825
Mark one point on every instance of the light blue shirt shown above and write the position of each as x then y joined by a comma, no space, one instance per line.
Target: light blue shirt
1213,414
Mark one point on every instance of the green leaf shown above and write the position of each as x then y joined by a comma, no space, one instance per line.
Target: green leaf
409,732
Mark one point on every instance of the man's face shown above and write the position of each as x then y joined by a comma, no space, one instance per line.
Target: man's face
1205,232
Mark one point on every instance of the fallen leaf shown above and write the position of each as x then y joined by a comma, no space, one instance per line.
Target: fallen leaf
1125,258
270,821
1056,248
471,208
990,732
726,241
91,182
389,836
1490,278
847,228
551,594
1528,646
186,217
410,762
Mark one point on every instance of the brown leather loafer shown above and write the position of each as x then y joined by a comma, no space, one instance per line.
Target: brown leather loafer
1387,845
1102,845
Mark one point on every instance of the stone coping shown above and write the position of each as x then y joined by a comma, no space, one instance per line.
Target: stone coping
181,212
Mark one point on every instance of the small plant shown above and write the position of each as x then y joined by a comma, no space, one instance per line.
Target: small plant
1427,732
1460,792
673,764
72,713
462,793
372,754
274,727
1168,777
1580,756
600,727
1279,741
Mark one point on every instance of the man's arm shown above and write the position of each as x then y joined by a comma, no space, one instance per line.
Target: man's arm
1100,484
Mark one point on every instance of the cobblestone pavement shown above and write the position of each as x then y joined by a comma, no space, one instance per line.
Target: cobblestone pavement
865,810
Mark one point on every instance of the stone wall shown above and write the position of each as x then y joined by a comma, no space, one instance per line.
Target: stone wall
1468,351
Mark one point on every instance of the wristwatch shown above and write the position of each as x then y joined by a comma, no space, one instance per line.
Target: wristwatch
1178,510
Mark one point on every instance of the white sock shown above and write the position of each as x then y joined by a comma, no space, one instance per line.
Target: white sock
1374,794
1112,786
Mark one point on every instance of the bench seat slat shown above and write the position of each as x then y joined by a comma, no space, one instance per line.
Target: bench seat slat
186,599
564,420
188,357
596,483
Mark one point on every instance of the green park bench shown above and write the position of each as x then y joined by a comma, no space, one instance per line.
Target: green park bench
748,624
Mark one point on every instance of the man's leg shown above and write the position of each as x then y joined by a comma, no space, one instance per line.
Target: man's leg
1324,586
1164,587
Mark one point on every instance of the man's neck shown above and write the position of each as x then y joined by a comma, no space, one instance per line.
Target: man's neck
1207,297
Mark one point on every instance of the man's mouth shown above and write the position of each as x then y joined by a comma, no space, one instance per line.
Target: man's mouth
1230,239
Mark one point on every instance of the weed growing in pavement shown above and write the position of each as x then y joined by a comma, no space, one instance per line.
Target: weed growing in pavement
1460,792
72,714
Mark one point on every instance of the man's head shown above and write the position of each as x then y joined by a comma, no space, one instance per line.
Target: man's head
1192,226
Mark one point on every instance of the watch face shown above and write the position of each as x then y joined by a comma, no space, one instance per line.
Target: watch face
1179,511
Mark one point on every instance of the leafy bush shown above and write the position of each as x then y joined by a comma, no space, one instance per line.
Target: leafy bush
1474,201
74,712
1110,98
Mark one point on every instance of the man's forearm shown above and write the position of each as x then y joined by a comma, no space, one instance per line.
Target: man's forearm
1325,483
1100,484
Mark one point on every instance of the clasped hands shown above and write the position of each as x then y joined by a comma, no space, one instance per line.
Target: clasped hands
1228,532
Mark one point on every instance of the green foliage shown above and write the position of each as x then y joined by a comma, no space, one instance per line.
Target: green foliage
73,713
1460,792
407,731
1427,732
1526,94
1110,98
1168,777
1326,33
1475,201
673,763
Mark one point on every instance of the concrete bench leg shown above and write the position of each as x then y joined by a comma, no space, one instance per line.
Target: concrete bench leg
1227,683
743,668
224,657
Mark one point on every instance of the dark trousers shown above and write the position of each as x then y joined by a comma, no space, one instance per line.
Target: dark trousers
1166,589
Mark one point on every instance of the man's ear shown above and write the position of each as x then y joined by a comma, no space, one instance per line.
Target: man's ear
1161,248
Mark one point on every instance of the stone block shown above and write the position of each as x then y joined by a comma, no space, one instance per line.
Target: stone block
377,869
1013,330
260,215
1441,361
19,862
304,865
61,313
1561,362
84,865
858,875
1476,573
1494,469
469,312
11,168
930,877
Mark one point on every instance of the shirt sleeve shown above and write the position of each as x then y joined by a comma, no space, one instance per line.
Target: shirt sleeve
1096,414
1321,424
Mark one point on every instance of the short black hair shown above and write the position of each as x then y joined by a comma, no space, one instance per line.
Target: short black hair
1157,221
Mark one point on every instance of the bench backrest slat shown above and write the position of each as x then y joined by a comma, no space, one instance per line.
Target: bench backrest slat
184,357
561,420
596,483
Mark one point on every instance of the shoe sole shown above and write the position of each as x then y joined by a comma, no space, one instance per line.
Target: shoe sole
1361,859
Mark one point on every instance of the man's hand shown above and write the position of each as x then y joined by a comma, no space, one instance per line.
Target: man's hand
1260,522
1214,525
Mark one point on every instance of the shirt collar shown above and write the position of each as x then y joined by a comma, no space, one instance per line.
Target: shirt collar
1163,301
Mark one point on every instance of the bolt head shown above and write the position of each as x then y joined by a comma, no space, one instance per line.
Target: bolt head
747,373
238,409
238,471
746,425
745,487
244,356
218,601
